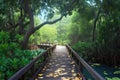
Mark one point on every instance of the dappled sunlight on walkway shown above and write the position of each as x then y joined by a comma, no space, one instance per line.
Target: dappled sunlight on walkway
59,67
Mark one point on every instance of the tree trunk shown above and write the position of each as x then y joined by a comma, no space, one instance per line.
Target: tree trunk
27,35
25,41
26,38
27,9
95,22
30,30
20,31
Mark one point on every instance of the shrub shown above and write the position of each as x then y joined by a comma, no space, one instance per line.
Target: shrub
84,49
11,57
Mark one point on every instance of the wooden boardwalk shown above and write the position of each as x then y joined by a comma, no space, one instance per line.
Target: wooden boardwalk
56,64
59,67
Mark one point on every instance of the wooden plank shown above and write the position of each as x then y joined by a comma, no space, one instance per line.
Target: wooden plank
60,67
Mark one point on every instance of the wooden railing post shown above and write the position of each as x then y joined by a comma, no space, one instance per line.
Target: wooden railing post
44,56
81,67
50,51
33,70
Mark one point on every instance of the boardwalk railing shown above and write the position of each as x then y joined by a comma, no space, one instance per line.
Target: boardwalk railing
45,45
28,72
82,64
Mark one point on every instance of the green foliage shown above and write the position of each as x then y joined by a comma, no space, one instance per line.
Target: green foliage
4,36
95,64
11,64
84,49
19,38
117,72
8,44
11,57
57,33
114,78
108,33
45,34
48,34
81,27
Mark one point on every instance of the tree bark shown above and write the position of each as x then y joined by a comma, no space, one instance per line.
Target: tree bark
95,22
27,9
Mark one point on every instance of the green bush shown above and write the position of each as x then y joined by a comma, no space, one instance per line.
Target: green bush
84,49
11,57
11,64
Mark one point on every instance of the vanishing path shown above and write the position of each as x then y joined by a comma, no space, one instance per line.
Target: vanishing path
59,67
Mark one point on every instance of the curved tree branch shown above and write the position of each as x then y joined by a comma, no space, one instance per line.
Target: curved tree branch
47,22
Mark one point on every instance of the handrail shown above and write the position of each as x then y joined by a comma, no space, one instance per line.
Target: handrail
85,65
23,70
45,45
